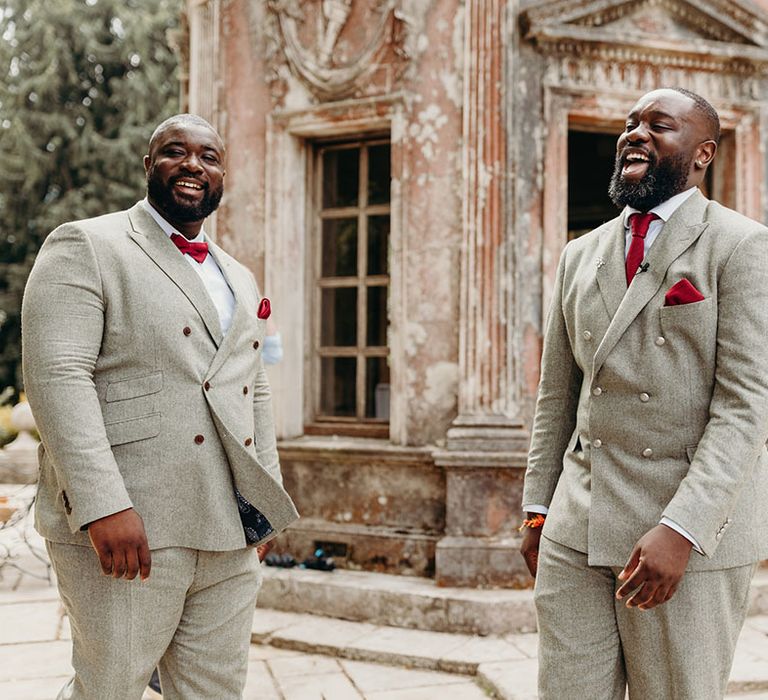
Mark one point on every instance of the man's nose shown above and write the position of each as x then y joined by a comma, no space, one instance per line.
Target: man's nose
192,164
637,133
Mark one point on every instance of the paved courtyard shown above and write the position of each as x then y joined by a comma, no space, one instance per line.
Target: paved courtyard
304,657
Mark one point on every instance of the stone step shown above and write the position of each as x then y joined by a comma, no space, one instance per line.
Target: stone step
506,666
397,601
417,603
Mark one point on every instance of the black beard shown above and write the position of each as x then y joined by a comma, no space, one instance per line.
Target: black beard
664,179
182,213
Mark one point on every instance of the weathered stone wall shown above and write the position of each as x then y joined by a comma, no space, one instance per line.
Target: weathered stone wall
478,99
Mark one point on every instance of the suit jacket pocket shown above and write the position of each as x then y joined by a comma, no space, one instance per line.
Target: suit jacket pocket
685,313
134,429
134,387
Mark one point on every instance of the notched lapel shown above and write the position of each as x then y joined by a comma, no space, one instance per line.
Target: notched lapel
153,241
674,239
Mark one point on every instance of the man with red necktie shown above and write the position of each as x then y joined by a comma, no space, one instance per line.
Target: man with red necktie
647,479
142,364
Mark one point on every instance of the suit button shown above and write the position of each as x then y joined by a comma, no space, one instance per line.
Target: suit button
597,443
207,386
645,398
245,390
187,330
199,439
647,452
660,341
586,335
597,391
255,344
248,442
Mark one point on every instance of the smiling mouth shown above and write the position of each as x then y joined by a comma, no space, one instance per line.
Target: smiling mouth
188,185
635,164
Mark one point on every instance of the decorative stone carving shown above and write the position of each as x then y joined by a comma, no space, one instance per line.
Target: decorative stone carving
614,45
709,35
308,37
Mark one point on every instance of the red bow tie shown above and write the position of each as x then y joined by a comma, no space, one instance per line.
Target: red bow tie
197,251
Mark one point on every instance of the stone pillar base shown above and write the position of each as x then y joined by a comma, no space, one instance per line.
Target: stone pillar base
484,463
481,562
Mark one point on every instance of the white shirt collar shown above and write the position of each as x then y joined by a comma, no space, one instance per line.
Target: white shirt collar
664,210
167,228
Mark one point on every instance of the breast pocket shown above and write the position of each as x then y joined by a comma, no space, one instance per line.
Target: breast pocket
696,323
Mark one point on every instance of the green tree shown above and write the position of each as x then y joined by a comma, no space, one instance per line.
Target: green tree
83,83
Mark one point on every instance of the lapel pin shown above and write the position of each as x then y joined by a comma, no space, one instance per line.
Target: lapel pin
599,262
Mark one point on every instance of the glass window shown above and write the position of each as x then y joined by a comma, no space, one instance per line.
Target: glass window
352,355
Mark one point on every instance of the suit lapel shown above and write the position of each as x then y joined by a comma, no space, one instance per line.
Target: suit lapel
611,277
673,240
153,241
234,277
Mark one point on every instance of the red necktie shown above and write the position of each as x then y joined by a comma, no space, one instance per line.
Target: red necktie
197,251
639,224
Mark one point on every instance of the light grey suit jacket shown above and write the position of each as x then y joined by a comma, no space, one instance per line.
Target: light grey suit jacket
646,410
139,400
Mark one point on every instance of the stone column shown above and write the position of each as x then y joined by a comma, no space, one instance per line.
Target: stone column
204,69
486,444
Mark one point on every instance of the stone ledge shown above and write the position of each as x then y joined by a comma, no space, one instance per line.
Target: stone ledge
418,603
400,601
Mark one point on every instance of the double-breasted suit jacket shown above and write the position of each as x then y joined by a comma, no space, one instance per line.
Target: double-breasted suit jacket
139,399
647,410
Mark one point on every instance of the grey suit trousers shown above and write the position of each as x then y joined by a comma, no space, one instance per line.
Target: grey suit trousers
191,618
592,646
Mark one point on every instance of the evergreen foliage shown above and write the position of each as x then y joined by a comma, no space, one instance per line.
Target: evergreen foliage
82,85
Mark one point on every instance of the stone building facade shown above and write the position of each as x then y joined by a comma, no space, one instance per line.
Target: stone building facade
402,176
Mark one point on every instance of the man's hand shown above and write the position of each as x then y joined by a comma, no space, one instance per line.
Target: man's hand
655,568
121,543
530,548
263,549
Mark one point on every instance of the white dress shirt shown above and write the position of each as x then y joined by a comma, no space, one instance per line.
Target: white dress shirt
664,211
209,271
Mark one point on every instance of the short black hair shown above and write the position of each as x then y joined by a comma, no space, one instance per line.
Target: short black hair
706,109
184,119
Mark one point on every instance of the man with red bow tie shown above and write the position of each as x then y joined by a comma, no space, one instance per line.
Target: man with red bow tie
648,466
142,364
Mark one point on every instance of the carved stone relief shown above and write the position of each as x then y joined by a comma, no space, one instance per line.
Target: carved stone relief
336,48
719,48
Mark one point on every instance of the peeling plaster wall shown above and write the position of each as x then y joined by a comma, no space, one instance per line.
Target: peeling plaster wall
426,139
431,191
244,105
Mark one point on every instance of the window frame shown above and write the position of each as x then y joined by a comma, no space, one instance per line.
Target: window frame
320,423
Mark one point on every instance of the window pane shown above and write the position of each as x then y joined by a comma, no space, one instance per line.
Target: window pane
340,177
339,317
378,174
377,388
339,247
377,316
378,245
338,386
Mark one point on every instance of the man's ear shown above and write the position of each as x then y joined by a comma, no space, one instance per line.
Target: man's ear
705,153
146,164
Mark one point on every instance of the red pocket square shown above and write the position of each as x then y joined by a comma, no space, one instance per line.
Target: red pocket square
264,308
683,292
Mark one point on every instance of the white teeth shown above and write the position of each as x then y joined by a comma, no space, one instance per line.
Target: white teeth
637,157
193,185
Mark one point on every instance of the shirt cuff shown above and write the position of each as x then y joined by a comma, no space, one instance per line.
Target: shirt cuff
536,509
681,531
